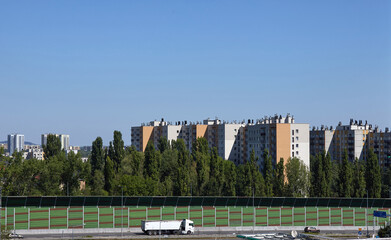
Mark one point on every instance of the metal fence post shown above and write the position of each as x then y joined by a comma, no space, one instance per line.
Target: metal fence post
28,218
202,216
241,216
317,216
50,214
67,217
267,216
305,216
98,217
229,222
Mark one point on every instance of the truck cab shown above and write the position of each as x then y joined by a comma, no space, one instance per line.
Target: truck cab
187,227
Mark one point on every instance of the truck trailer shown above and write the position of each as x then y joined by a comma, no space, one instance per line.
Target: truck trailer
184,226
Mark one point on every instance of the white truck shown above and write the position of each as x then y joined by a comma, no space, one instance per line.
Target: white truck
184,226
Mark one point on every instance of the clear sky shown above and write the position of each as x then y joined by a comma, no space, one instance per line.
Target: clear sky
87,68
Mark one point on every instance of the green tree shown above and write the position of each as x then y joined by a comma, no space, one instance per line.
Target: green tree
200,155
109,176
359,180
52,147
346,178
151,167
373,177
97,155
50,176
327,169
119,150
98,184
71,174
216,177
297,177
268,173
163,144
279,179
386,183
229,179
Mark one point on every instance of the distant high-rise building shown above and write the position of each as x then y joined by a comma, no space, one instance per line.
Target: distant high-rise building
64,139
15,143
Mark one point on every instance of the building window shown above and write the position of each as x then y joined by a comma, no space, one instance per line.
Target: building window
293,132
293,146
293,154
297,152
297,145
293,139
297,130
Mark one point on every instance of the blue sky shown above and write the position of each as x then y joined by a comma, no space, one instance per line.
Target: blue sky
87,68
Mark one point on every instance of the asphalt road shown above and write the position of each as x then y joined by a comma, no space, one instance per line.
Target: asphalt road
139,235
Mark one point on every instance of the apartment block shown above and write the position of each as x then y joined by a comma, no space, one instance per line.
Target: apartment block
356,138
15,143
234,140
281,136
380,142
64,138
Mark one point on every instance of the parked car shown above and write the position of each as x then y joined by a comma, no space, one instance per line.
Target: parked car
15,235
311,230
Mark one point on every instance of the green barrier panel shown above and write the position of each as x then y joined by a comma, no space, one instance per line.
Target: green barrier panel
274,216
136,215
235,216
106,217
248,216
168,213
91,217
370,216
221,217
209,217
299,216
58,218
347,217
323,216
21,218
3,217
336,216
359,216
153,213
196,215
39,218
121,217
311,216
10,218
75,217
286,216
261,216
182,213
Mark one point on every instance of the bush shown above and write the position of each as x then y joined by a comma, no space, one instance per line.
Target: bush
385,232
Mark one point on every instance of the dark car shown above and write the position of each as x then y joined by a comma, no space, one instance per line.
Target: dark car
311,230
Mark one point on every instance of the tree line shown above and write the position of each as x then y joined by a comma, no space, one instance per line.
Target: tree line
172,170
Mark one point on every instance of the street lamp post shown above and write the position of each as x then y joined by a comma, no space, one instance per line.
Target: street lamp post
122,210
366,219
0,214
